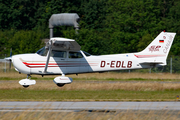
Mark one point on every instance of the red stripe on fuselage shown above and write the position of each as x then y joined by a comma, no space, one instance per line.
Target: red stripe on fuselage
39,65
148,56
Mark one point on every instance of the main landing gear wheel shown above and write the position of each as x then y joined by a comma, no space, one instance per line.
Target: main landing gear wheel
60,84
62,80
25,86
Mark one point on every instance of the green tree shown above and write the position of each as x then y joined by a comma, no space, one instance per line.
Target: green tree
94,13
25,42
5,37
143,43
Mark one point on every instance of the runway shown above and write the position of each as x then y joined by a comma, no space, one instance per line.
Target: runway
90,110
88,106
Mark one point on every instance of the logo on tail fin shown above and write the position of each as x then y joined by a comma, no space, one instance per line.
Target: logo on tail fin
154,48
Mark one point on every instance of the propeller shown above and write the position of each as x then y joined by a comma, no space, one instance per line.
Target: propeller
9,59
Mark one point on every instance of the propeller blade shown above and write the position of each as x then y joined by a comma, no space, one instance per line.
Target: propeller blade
10,60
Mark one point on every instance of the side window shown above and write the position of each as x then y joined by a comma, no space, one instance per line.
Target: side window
75,55
61,54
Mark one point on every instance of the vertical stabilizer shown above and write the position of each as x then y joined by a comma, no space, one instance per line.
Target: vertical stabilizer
158,50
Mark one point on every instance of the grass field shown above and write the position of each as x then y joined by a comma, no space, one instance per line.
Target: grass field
93,87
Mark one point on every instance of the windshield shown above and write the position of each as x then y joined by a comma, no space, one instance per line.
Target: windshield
87,54
42,51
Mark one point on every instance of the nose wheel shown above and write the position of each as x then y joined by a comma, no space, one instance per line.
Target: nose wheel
27,82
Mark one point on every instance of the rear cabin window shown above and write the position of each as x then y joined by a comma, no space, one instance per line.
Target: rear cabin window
60,54
75,55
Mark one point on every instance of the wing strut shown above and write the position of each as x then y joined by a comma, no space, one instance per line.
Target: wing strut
48,56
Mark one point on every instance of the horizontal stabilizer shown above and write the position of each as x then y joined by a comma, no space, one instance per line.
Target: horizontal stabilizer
151,63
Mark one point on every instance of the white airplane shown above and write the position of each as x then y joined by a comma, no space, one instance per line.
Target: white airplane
63,56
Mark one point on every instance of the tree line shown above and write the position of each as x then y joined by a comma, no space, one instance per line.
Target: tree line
106,26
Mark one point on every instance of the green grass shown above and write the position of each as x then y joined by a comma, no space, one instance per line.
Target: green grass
118,79
99,79
87,95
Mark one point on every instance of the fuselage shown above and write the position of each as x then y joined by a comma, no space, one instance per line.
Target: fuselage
68,62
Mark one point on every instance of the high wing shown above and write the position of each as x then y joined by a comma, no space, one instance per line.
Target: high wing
60,44
63,44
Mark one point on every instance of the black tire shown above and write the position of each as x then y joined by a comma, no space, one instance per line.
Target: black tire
25,86
60,84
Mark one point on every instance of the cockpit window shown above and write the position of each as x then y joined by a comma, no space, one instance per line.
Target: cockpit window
61,54
43,51
87,54
75,55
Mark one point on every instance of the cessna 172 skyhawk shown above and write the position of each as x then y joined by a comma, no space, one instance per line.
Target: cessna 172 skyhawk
63,56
